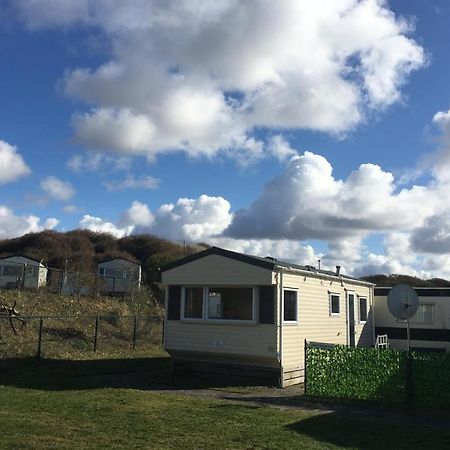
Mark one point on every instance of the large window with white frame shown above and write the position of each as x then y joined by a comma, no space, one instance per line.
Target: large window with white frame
218,303
290,305
335,304
362,310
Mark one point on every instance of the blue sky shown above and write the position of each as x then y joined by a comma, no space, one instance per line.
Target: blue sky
190,121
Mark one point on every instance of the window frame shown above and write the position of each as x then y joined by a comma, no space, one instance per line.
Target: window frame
183,304
243,321
359,309
330,304
205,318
290,322
415,322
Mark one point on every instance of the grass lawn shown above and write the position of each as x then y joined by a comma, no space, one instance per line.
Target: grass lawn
120,418
48,406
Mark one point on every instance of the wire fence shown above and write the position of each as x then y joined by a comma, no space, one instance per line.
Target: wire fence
78,336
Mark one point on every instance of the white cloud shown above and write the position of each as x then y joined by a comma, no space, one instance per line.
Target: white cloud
51,223
97,161
280,148
138,215
200,76
57,189
107,129
12,165
131,182
56,13
100,225
192,219
12,225
282,249
308,202
70,209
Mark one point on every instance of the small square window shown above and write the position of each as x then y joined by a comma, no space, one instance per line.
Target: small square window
335,307
290,306
362,309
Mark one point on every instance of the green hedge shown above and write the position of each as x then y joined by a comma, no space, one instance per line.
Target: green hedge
378,376
431,379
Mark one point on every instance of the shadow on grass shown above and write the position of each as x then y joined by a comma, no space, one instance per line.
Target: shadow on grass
152,373
343,430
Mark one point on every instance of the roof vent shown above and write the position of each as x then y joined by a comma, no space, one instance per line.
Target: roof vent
338,270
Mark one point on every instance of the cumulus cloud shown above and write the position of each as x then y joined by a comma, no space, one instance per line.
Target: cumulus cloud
131,182
307,202
13,225
192,219
280,148
138,215
108,129
187,219
201,76
57,189
100,225
434,235
12,165
196,220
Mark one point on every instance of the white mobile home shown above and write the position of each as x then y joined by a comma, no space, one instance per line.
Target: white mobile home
429,327
233,313
18,271
119,276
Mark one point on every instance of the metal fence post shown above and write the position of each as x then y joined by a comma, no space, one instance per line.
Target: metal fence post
39,349
305,367
134,332
95,333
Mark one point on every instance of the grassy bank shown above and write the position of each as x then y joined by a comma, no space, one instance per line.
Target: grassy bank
70,328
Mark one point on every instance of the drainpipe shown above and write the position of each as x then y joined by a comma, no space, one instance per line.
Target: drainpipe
280,318
372,291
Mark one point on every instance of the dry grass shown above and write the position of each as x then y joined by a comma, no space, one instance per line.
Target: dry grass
69,324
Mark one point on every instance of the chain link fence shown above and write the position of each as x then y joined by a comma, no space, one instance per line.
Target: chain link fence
77,336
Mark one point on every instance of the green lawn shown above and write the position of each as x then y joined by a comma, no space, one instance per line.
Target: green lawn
108,418
41,410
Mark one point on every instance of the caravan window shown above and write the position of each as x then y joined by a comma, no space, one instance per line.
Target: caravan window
289,305
230,303
335,307
193,303
424,314
362,309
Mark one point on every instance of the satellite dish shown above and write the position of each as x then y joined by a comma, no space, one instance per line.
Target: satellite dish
403,301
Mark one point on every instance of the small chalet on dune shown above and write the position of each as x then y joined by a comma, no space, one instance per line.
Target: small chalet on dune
22,271
246,316
119,275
